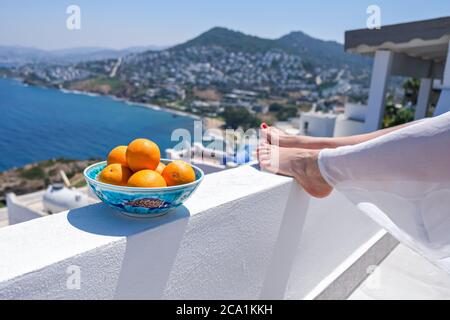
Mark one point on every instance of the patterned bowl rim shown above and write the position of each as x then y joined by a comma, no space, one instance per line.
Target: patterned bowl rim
128,189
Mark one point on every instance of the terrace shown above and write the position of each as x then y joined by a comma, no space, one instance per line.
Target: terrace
244,234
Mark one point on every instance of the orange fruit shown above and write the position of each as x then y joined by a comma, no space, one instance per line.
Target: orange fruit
178,172
116,174
160,167
147,179
118,155
143,154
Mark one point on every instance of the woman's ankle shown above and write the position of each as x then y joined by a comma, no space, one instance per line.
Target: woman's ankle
308,174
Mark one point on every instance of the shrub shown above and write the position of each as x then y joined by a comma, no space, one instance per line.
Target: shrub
239,117
33,173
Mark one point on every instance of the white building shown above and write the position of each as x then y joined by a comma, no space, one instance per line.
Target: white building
352,122
417,49
319,124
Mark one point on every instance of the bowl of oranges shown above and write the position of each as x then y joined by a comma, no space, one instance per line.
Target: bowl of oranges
136,181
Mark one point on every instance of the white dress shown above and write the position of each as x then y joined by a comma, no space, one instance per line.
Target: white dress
402,181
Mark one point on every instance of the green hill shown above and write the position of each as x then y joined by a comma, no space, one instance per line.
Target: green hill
229,39
316,52
320,52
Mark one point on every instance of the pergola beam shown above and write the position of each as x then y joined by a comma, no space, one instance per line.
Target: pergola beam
406,66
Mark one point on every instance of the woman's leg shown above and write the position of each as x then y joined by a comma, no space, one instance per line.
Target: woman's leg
419,152
392,155
297,156
301,164
276,136
400,179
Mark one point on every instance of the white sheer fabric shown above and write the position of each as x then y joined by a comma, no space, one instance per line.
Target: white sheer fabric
402,181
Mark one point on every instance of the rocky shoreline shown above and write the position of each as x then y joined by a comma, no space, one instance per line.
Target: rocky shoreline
81,90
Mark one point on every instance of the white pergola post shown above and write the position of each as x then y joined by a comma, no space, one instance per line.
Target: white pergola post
423,99
380,75
443,104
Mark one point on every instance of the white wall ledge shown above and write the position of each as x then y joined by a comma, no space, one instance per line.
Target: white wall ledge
238,237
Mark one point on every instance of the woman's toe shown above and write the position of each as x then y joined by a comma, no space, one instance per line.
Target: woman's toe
267,157
266,165
273,136
264,134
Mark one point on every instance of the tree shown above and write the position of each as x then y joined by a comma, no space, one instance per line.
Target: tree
287,112
275,107
394,116
411,90
239,117
283,113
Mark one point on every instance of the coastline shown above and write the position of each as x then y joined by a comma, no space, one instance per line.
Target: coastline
56,112
208,122
158,108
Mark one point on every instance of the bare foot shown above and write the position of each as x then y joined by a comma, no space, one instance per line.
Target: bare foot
277,137
301,164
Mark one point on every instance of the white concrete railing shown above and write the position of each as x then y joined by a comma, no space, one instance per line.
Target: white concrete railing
238,237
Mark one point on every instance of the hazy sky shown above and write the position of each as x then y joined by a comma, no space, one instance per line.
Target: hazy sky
119,24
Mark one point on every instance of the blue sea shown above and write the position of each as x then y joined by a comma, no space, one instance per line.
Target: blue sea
40,123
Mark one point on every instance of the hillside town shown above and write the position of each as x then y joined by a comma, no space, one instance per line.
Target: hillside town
206,77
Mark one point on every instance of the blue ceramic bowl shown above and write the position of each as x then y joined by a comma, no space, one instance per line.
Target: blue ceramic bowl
140,202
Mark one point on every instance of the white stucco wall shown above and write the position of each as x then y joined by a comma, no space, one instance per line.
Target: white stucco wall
319,125
244,234
18,212
355,111
347,127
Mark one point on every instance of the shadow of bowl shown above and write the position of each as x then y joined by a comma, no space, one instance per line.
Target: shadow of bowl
104,220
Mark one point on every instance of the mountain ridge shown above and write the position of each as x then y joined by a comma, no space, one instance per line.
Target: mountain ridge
313,50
